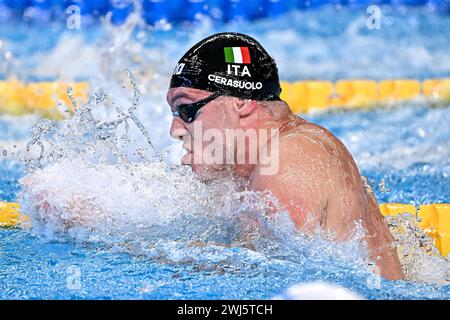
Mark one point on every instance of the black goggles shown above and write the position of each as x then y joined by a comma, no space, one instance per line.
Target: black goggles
188,112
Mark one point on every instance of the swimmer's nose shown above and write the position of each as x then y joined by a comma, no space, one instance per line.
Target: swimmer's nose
178,129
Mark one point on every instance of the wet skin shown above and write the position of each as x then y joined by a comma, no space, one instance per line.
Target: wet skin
317,180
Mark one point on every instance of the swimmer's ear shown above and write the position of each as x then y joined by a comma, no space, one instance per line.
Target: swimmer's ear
244,106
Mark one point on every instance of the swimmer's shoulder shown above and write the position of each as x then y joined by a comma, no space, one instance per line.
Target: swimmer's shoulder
296,125
302,134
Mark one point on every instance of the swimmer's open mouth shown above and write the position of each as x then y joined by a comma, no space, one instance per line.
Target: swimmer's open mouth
187,158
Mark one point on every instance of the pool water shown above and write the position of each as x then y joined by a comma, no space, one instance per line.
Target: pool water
137,240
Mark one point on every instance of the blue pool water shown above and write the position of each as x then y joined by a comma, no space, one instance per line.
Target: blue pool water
142,249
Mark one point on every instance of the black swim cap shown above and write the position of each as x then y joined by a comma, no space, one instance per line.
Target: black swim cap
232,63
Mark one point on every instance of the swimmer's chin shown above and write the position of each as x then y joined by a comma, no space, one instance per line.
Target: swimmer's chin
187,159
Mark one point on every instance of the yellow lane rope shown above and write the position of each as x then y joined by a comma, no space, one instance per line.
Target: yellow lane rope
10,215
303,96
433,219
17,98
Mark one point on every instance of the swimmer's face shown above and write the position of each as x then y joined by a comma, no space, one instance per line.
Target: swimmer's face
212,120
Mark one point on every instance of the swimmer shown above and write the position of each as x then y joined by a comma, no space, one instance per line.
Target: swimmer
228,83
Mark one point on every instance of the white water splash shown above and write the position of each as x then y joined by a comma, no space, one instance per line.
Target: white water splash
165,213
318,290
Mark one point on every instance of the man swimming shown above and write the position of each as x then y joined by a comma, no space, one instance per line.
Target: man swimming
228,83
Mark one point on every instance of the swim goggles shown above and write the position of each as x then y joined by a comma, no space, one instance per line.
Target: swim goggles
188,112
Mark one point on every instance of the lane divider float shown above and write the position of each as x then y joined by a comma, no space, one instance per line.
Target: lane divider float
305,96
10,215
433,219
18,98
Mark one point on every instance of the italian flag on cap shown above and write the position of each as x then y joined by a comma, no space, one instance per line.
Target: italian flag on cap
237,55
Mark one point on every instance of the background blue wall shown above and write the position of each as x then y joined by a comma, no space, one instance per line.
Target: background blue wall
176,11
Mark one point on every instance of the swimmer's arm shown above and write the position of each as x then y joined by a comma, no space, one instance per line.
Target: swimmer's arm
300,182
79,208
